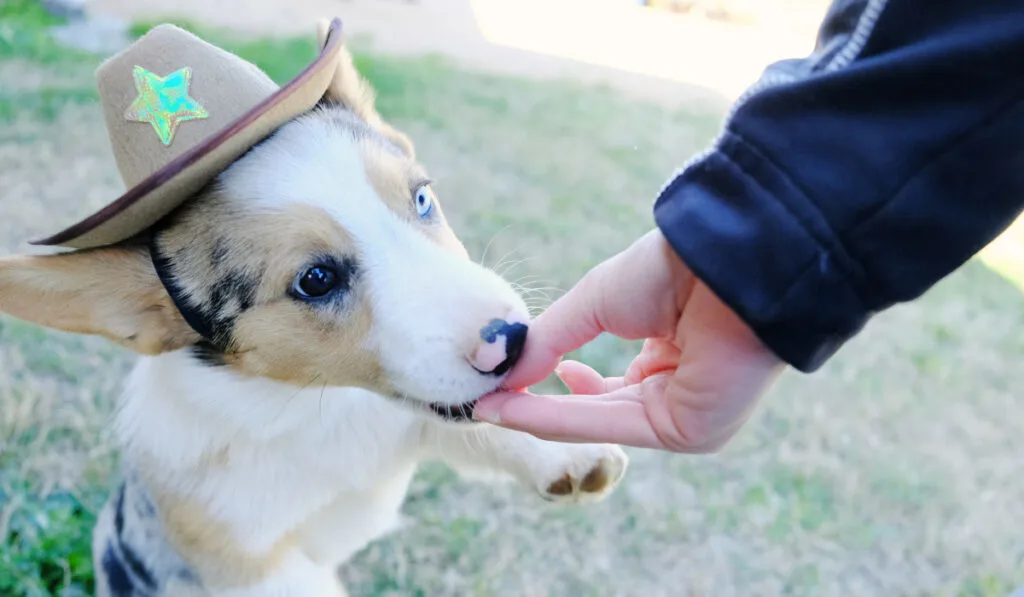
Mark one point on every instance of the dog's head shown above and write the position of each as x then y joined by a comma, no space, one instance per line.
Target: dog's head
321,256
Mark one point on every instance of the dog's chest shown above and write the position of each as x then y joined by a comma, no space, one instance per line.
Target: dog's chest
266,465
336,483
352,519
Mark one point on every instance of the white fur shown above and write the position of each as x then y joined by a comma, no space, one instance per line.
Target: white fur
332,463
331,466
436,301
297,575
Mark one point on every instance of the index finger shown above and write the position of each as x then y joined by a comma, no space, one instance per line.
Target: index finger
614,418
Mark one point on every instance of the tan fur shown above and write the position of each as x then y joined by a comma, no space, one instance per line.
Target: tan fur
140,315
209,546
113,293
351,90
394,179
299,231
390,176
279,337
304,350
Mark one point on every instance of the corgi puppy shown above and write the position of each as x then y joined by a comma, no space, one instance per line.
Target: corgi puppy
310,329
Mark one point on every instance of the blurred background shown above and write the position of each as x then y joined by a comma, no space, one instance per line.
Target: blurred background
549,125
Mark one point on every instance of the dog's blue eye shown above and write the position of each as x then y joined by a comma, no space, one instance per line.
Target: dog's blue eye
316,282
424,201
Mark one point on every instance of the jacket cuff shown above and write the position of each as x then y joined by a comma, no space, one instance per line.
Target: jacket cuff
741,225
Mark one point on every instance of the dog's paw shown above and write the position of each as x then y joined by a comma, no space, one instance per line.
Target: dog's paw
581,473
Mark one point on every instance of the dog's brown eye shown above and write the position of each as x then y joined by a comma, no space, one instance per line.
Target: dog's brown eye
316,282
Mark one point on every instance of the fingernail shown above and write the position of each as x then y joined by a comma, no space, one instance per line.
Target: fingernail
560,375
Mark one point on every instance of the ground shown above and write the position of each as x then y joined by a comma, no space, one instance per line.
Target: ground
892,471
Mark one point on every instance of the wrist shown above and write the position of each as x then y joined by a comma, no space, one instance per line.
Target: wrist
682,278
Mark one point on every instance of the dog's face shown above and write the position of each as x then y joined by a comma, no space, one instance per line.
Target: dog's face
322,256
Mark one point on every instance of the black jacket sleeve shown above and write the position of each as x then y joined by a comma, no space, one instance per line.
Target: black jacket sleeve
858,177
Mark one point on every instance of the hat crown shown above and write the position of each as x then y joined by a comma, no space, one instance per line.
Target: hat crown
179,111
169,91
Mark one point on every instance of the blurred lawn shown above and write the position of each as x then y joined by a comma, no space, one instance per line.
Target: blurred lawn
894,471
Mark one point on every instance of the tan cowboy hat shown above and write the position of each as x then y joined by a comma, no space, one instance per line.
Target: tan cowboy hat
179,111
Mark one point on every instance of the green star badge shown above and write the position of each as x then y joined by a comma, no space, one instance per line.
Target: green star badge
164,102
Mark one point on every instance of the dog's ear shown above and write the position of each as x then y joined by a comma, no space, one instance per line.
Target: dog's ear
111,292
351,90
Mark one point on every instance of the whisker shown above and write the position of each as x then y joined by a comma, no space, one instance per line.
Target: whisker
525,278
539,305
508,265
514,264
322,390
490,242
504,258
296,393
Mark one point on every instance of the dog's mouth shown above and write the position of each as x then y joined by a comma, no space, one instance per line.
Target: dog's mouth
458,413
454,413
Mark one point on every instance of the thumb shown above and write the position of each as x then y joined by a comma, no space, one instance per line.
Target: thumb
634,294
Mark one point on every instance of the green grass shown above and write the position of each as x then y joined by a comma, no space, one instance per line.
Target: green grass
25,38
45,103
29,14
24,34
48,545
894,471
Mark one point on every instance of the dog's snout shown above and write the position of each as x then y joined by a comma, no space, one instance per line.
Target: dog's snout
501,345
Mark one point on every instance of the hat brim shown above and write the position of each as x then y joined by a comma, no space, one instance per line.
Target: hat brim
166,189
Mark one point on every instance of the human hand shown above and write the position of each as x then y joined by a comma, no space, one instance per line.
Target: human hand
691,388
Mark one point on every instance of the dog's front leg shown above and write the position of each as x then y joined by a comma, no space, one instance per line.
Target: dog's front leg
556,471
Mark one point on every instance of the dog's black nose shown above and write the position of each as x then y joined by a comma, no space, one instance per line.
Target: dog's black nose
515,339
501,346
